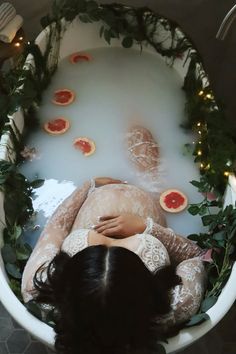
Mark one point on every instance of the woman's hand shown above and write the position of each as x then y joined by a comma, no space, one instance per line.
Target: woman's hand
120,226
102,181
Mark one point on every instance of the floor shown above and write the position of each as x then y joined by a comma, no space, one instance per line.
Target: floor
15,340
200,19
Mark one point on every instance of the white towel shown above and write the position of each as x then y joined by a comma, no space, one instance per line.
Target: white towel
8,33
7,13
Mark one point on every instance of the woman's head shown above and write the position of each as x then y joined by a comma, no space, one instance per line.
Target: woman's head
106,300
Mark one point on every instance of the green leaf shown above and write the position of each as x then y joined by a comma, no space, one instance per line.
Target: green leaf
193,209
107,36
208,303
193,237
34,308
219,236
196,183
92,6
207,219
13,270
23,252
197,319
203,210
8,254
101,31
127,42
37,183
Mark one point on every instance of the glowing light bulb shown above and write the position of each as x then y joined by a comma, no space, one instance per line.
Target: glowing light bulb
208,166
21,38
17,44
199,142
209,96
226,173
200,93
199,124
199,132
199,153
201,165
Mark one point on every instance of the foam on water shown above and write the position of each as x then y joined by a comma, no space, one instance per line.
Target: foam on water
117,87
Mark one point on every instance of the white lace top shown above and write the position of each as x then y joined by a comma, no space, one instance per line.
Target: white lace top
68,230
152,252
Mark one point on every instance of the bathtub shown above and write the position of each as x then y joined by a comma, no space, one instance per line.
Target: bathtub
89,38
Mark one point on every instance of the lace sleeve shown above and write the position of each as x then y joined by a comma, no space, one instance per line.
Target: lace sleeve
185,298
179,248
51,239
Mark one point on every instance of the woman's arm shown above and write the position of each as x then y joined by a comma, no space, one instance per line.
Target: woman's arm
125,225
178,247
52,237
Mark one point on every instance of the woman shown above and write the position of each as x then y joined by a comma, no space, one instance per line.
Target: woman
107,256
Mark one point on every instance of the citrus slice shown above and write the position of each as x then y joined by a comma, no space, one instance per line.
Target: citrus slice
86,145
57,126
173,201
63,97
79,57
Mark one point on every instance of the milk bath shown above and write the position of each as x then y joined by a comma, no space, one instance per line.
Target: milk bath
117,88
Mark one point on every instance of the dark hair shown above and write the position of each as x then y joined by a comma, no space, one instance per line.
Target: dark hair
106,300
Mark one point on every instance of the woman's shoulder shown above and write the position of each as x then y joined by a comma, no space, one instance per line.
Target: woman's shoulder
75,242
152,252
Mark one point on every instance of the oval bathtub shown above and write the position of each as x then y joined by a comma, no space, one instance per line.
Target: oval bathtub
71,42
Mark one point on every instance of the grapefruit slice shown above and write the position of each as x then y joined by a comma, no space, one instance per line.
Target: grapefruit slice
86,145
173,201
79,57
57,126
63,97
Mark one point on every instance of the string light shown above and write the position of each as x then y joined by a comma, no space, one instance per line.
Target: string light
208,166
200,93
17,44
209,96
199,132
199,153
199,142
226,173
201,165
21,38
199,124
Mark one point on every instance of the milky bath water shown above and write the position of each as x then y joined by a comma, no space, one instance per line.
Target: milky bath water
114,90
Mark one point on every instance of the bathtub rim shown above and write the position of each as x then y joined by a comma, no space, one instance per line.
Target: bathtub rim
45,334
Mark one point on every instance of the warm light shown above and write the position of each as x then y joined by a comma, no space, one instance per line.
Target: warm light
199,153
201,165
199,132
208,166
226,174
198,124
21,38
199,142
17,44
28,42
200,93
209,96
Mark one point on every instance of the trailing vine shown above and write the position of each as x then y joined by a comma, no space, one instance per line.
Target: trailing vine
214,149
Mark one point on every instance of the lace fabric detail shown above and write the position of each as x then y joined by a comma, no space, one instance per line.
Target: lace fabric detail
75,242
179,248
143,152
152,252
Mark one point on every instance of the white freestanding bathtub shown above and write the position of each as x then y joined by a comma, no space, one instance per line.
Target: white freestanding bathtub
79,36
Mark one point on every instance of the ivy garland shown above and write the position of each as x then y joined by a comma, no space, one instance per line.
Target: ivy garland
214,149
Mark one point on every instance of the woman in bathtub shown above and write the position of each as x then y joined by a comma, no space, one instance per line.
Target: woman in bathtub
118,278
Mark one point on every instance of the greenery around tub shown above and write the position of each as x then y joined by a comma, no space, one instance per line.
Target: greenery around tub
214,149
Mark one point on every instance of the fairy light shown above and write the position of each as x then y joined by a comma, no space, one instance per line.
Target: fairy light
199,142
226,173
208,166
17,44
202,165
21,38
209,96
199,153
199,132
199,124
200,93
